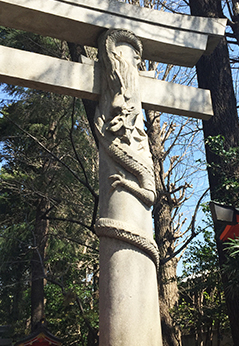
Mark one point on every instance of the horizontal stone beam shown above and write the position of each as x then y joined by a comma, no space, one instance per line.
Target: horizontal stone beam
176,99
82,21
83,80
203,25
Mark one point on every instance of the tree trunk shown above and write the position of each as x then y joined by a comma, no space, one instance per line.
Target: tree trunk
37,266
214,73
168,290
90,106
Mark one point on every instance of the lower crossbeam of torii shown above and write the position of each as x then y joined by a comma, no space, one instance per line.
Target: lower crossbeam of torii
129,303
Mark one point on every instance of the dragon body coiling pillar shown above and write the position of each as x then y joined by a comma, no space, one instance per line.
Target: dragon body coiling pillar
129,306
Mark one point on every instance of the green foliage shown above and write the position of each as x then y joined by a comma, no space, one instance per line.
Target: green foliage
75,304
201,307
14,276
30,42
28,172
231,267
229,161
49,166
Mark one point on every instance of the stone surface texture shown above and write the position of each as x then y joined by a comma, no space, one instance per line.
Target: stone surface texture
83,81
129,307
81,21
211,26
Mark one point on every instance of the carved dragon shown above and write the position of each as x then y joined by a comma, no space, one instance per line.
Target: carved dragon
119,128
116,117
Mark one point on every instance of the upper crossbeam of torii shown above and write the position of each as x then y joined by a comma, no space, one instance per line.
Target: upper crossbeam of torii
129,256
166,37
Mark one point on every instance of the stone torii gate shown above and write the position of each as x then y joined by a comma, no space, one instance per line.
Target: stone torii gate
129,307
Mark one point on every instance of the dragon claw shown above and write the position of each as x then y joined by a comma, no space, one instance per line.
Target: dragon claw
117,179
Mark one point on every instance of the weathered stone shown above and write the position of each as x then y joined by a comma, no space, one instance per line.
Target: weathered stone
42,72
210,26
83,81
128,296
181,43
129,306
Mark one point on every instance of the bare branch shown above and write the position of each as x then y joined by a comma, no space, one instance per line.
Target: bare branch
71,221
174,142
193,233
73,144
54,156
61,237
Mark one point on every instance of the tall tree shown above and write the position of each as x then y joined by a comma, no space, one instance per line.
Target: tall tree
214,73
43,199
169,228
201,312
50,164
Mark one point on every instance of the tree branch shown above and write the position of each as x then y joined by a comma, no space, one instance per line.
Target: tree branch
71,221
54,156
193,233
72,240
73,144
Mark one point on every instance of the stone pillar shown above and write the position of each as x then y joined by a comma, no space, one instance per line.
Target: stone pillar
129,306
